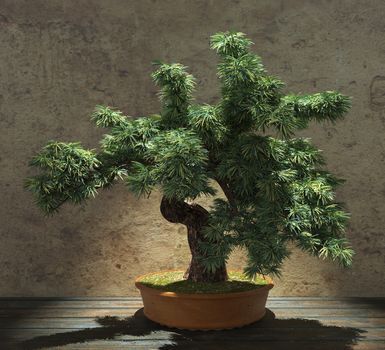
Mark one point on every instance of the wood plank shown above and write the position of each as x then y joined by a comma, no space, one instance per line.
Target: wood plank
246,346
327,321
270,345
64,304
83,298
301,323
91,298
127,311
285,332
215,344
299,312
86,322
340,304
131,302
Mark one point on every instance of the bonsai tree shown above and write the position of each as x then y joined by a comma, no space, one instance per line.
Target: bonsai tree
275,187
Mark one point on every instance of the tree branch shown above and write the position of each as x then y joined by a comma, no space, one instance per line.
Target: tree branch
229,195
175,211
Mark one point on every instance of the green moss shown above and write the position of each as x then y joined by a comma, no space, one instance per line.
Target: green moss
173,282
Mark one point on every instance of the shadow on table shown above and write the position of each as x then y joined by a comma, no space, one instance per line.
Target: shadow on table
12,316
269,333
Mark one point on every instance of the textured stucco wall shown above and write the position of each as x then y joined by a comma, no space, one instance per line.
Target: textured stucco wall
58,59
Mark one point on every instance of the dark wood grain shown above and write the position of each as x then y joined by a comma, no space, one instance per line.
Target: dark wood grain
119,323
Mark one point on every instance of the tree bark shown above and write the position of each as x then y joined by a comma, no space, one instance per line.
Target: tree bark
194,217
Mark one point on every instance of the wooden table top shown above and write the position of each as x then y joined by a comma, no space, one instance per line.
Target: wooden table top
304,323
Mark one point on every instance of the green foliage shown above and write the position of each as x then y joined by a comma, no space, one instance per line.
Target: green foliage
105,116
277,188
69,173
140,180
129,140
329,105
176,87
181,164
230,44
206,121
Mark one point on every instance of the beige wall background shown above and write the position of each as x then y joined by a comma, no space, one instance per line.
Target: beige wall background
58,59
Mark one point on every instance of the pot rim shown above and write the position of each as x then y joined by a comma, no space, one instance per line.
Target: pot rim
227,295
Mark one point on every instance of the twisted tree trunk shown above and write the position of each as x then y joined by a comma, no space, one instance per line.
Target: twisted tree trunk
194,217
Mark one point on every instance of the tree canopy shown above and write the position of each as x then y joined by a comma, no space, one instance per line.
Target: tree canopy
276,186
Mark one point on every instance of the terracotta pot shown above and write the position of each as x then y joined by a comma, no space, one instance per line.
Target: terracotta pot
204,311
